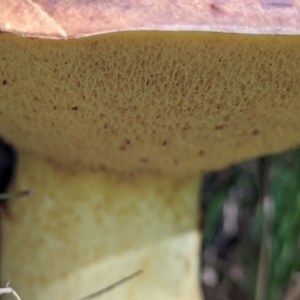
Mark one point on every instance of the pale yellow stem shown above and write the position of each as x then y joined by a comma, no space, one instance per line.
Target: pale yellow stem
79,233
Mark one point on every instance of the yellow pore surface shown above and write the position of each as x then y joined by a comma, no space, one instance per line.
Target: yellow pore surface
170,102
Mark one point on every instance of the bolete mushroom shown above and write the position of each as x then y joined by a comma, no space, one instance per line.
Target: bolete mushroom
115,107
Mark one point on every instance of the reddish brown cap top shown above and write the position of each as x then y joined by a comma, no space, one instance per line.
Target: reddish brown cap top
75,18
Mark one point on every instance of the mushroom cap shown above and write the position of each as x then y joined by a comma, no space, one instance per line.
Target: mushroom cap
77,18
171,86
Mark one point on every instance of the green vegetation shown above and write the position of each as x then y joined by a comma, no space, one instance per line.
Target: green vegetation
265,246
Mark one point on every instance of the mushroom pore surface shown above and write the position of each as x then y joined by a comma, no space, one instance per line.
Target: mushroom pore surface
161,101
173,102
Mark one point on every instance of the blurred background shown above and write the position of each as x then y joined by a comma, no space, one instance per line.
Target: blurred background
251,224
250,219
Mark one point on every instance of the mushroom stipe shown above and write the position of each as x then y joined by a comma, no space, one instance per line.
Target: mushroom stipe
8,290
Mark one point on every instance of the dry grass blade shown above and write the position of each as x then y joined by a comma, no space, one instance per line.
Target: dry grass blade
6,196
101,292
9,290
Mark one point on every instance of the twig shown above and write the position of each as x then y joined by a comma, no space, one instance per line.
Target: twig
101,292
294,292
9,290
